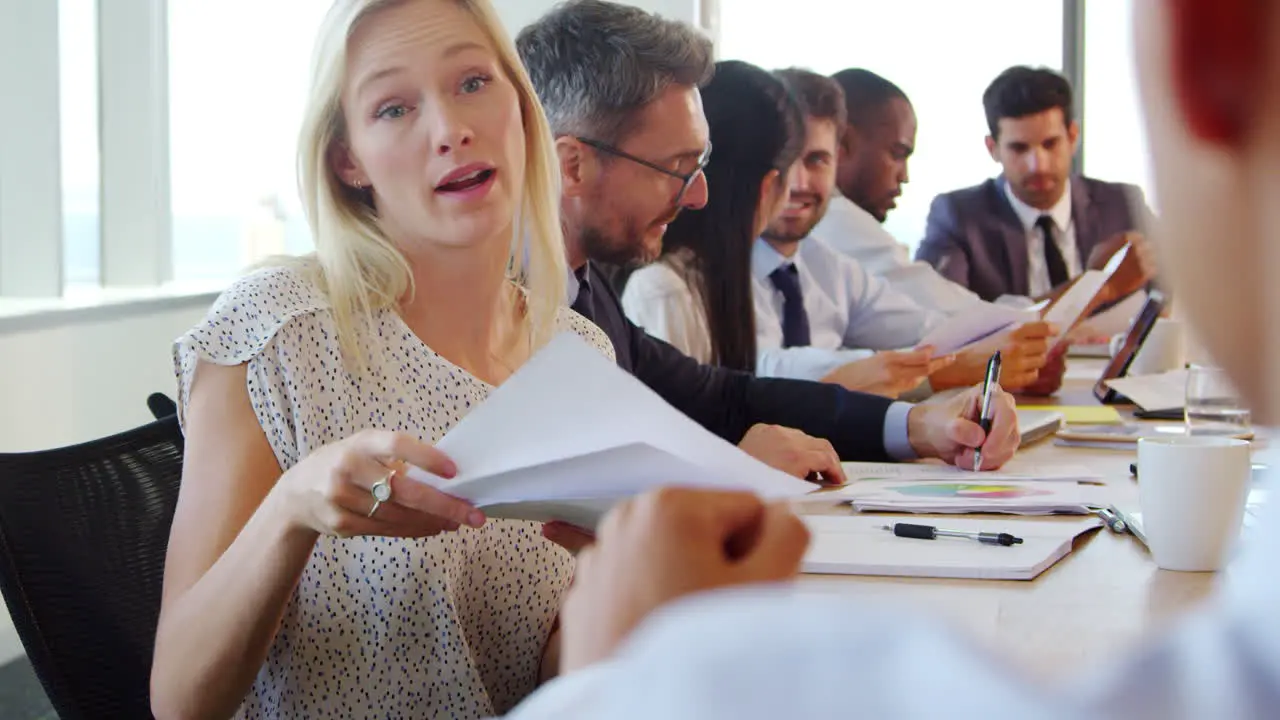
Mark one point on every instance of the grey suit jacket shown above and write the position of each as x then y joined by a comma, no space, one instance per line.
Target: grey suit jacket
974,238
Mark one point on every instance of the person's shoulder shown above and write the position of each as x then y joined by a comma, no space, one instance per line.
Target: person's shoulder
968,196
1107,191
850,229
568,320
656,279
844,215
822,259
253,310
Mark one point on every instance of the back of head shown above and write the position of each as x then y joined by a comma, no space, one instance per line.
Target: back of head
595,64
757,128
820,97
864,94
1021,91
359,268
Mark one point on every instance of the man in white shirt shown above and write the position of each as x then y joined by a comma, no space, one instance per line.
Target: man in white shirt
877,143
644,637
845,310
875,147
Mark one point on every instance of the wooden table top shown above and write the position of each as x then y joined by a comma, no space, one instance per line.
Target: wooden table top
1099,600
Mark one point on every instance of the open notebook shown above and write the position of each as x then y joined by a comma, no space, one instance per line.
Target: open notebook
858,545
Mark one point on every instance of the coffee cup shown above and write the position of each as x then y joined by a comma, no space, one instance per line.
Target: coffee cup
1192,491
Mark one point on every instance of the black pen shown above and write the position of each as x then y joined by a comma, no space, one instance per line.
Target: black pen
929,532
989,384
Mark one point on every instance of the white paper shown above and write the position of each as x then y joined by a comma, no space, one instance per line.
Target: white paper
571,427
974,495
1034,425
858,545
1117,318
1071,305
1154,392
1015,469
960,331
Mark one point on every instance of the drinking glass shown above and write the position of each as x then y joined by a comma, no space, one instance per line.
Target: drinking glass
1213,405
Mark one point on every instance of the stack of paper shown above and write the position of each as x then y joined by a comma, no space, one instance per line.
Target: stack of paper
1071,306
570,434
1154,392
858,545
974,495
1016,469
971,327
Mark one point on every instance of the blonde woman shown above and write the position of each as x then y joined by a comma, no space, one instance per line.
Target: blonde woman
305,576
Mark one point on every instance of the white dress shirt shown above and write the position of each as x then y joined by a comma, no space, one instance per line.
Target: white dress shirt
785,652
659,299
850,230
1064,235
851,313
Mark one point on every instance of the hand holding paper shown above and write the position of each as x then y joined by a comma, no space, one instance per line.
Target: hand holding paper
889,373
570,434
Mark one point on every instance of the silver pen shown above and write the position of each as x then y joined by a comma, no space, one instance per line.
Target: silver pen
989,384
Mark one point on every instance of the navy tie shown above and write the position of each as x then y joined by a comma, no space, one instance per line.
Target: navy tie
1053,260
795,321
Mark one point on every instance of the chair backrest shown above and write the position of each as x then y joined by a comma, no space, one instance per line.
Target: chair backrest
83,532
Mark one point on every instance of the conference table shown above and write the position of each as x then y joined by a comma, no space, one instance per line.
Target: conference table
1102,599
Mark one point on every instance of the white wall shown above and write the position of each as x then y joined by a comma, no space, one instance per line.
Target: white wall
67,382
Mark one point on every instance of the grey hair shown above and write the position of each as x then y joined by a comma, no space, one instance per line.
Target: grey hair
594,64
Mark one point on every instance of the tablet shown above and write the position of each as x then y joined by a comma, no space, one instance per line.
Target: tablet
1139,329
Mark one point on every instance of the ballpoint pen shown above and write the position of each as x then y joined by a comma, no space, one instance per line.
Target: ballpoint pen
989,384
1112,518
929,532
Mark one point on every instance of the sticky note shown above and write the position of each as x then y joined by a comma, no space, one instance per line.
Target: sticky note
1081,414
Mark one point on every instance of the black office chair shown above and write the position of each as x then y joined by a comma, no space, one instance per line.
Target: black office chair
161,405
83,532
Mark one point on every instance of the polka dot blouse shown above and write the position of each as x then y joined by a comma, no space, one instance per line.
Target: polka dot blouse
446,627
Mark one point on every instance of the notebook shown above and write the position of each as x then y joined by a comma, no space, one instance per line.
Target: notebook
858,545
1080,414
1036,425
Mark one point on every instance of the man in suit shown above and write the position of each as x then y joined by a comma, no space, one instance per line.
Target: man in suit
1034,228
620,89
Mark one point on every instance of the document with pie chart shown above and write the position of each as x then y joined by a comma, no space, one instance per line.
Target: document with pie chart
975,494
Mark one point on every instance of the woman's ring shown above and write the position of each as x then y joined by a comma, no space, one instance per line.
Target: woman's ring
381,492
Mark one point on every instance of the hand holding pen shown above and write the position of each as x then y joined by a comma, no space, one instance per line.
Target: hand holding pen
986,411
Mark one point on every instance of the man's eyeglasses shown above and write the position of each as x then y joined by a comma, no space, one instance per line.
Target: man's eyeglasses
686,179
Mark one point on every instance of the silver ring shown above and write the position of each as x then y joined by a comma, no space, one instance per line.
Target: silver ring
381,491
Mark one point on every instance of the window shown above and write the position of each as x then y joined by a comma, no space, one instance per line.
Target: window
78,106
238,79
942,54
1115,140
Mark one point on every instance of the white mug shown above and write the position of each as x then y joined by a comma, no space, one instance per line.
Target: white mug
1164,349
1192,491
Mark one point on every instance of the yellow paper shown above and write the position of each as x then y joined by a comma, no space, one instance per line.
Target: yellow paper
1081,414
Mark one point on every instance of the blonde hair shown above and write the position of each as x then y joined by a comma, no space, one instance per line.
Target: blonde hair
358,268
